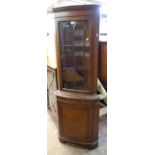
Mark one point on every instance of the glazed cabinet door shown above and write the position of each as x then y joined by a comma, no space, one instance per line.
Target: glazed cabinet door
74,37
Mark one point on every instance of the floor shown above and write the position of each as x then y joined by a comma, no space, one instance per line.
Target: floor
54,147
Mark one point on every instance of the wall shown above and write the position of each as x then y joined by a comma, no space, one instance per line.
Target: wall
51,50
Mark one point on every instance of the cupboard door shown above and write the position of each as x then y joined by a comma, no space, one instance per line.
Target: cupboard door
74,39
75,123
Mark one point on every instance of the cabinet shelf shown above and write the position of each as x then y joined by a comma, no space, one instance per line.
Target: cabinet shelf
80,68
75,46
78,54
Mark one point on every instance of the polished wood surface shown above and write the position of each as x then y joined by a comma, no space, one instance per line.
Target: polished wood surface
78,103
73,8
103,63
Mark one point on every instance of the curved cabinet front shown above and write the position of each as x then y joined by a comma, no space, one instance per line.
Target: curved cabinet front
78,120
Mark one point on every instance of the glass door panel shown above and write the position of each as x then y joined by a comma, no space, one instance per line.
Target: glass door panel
75,54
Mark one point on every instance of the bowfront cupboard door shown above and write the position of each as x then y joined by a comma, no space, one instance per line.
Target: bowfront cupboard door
74,40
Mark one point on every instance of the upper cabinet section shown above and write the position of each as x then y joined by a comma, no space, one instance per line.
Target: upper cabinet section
77,47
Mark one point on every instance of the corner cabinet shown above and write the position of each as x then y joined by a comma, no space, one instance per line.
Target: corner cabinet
77,61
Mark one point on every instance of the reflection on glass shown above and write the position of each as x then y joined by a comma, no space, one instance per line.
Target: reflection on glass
75,53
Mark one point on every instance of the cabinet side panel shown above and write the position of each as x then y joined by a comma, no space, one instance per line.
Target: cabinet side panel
95,44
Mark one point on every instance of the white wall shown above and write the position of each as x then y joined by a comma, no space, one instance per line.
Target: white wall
51,49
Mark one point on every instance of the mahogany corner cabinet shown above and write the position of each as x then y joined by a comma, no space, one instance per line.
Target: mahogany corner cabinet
77,33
